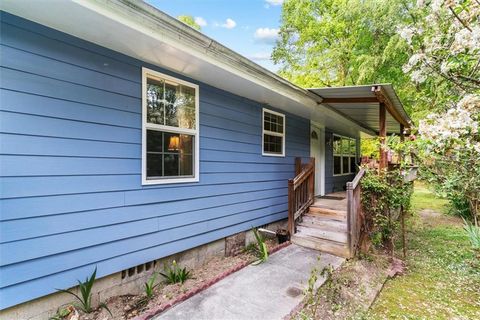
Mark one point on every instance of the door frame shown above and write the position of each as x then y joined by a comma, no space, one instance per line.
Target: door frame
317,150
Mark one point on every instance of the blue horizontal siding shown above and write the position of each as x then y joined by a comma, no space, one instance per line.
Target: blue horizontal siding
70,167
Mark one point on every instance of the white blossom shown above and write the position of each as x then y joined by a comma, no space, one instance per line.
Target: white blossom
407,34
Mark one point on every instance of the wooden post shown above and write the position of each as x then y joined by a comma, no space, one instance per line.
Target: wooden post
291,211
402,139
402,213
383,138
311,185
298,166
350,218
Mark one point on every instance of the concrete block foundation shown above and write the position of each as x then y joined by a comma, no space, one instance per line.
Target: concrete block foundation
130,281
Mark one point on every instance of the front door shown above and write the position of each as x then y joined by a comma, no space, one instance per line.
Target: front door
317,150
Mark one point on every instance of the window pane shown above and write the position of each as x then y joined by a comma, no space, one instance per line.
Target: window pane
155,101
154,141
272,144
169,154
337,166
170,104
272,122
154,165
186,165
353,147
345,146
345,164
337,143
171,165
186,108
353,164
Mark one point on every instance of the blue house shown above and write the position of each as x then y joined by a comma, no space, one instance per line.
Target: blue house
126,136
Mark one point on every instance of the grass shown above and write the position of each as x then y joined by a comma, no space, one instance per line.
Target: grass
423,198
443,277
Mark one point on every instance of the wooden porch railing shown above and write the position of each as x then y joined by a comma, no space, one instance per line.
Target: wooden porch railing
300,191
354,211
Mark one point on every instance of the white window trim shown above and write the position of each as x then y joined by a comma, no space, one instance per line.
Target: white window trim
268,154
342,156
145,125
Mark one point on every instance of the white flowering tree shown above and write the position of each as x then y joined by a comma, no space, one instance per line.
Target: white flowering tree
451,151
445,45
445,59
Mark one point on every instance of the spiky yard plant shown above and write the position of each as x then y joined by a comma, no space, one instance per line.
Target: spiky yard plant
85,297
150,285
175,274
473,233
261,247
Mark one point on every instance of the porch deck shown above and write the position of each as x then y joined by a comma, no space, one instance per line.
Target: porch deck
333,201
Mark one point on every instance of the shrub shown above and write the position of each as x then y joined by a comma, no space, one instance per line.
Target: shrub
382,195
459,206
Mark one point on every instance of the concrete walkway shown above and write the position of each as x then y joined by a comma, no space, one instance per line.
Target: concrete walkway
267,291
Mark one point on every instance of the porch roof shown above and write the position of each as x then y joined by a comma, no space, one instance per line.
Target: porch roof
362,105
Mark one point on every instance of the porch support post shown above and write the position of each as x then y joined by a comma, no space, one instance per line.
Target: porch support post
383,141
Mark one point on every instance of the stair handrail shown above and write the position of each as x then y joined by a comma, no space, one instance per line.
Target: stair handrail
300,191
354,211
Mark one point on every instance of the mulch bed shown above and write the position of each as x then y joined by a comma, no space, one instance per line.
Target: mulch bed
137,307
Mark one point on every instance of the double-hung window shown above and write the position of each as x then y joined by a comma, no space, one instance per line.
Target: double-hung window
344,155
170,137
273,143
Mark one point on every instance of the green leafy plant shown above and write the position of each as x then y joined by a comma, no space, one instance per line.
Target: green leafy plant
150,286
62,313
473,233
262,250
382,196
175,274
85,297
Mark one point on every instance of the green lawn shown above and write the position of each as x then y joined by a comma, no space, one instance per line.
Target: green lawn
441,281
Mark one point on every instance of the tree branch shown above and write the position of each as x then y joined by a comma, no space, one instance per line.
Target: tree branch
458,18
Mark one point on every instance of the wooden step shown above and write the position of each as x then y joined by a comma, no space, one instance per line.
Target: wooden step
332,206
338,236
332,247
318,221
330,213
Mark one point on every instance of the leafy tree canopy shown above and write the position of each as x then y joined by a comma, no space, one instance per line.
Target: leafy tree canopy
190,21
345,42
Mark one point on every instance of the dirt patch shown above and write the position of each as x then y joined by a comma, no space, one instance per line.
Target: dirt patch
349,290
433,218
131,306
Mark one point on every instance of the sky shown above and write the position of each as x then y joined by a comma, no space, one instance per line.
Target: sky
248,27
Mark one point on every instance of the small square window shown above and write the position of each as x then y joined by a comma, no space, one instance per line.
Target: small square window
273,133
